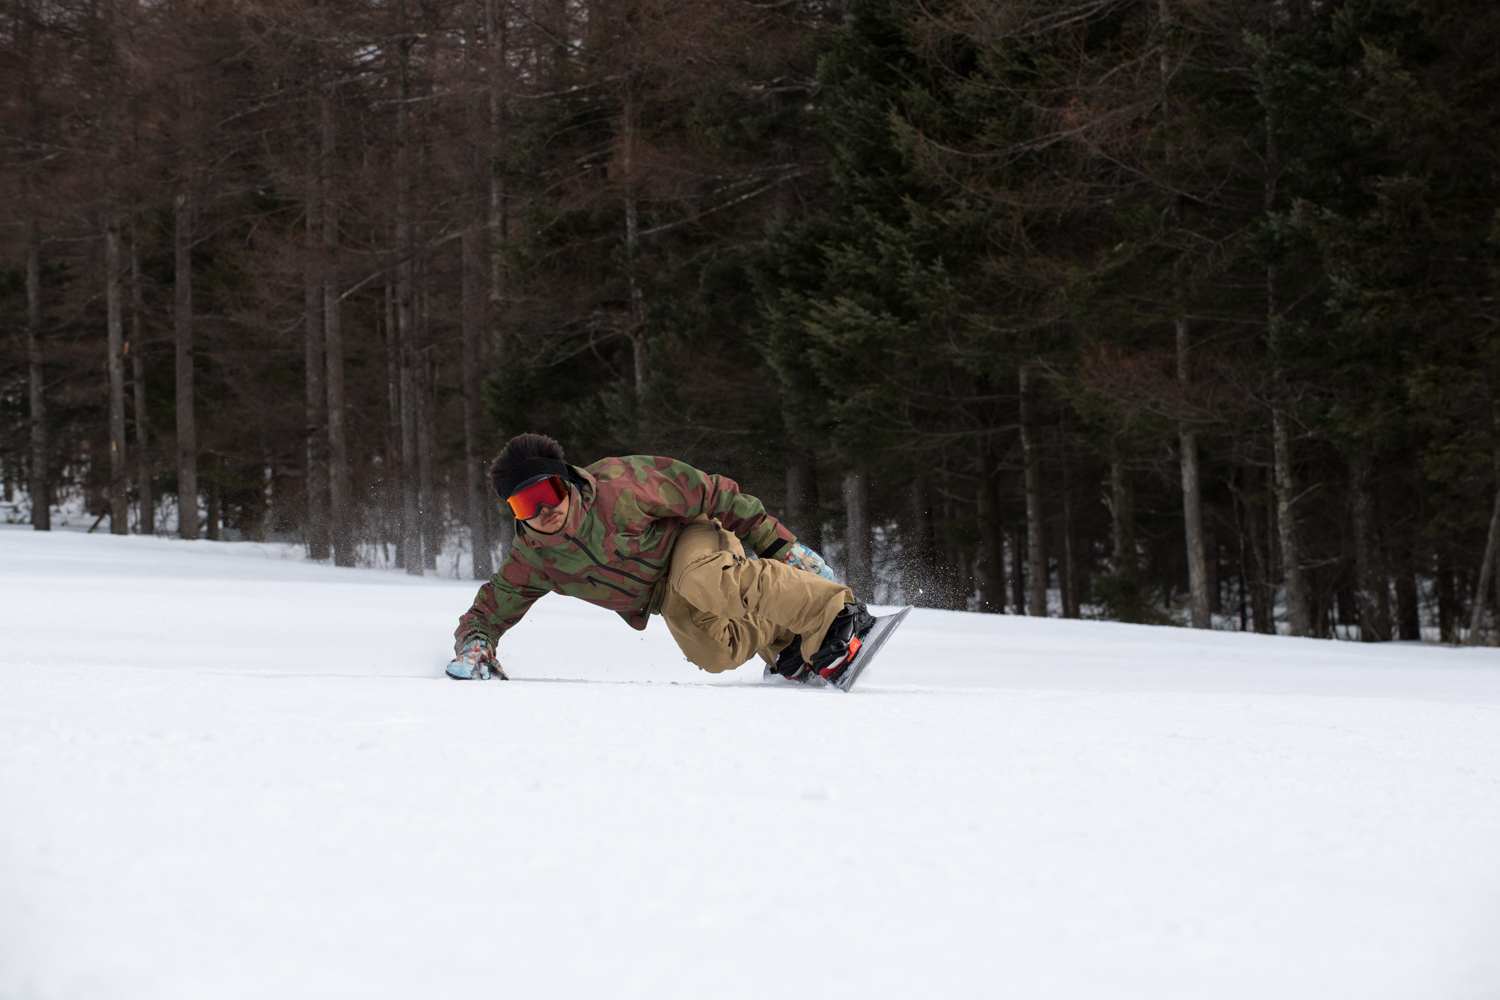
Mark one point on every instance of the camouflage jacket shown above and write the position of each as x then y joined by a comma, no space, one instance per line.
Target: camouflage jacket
615,547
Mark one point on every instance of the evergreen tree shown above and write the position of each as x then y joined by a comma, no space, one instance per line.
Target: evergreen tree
1388,114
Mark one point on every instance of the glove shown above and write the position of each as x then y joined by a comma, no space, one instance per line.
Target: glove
800,556
476,661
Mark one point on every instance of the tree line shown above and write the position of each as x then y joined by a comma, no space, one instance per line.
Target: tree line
1156,310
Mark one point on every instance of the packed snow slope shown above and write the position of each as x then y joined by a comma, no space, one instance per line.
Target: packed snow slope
225,773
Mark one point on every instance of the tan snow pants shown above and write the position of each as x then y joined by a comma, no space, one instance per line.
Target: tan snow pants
723,607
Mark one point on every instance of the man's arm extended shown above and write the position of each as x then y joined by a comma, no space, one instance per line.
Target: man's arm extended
501,602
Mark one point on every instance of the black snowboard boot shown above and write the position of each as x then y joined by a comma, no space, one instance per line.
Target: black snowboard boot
790,664
840,643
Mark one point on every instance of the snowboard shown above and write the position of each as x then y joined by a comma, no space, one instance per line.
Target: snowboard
869,647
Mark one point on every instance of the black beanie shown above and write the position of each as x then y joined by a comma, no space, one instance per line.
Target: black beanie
527,456
531,468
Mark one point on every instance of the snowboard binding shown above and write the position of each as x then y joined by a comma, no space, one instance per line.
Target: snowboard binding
850,643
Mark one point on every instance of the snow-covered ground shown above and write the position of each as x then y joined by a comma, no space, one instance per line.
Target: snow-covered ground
227,773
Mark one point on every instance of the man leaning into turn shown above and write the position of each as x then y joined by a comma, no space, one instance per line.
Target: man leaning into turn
643,535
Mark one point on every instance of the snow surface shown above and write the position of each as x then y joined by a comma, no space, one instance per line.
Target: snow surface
228,773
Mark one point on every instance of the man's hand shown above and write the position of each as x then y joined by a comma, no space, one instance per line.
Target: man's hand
802,557
476,661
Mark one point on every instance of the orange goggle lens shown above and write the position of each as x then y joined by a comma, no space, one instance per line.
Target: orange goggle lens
547,492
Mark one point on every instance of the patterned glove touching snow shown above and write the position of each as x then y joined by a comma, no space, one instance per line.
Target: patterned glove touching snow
476,661
802,557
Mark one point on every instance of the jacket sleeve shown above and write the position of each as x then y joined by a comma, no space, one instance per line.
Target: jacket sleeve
502,602
679,490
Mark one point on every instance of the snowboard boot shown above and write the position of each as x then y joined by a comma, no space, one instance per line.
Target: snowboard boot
789,662
842,640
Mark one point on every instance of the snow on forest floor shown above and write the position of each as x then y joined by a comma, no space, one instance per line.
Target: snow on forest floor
226,774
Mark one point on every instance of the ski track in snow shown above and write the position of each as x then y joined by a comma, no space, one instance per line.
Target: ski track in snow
226,774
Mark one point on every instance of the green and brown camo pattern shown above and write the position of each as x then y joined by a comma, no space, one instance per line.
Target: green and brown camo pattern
615,546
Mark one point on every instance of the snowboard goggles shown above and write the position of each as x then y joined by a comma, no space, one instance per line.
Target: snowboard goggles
545,492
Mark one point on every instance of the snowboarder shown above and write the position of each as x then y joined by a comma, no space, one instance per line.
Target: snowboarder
644,535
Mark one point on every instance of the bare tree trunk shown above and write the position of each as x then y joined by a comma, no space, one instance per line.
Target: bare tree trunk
471,318
340,492
1447,598
1244,594
920,584
411,519
40,486
119,500
1272,581
1261,592
1408,609
1192,501
1192,505
427,507
187,426
341,519
314,348
1372,597
1242,529
1192,497
1492,543
213,500
639,342
391,497
114,307
1036,551
1404,550
963,565
411,532
495,30
1017,571
476,481
147,525
1211,564
1057,539
641,350
392,371
1298,614
857,537
1122,515
1073,585
426,446
989,570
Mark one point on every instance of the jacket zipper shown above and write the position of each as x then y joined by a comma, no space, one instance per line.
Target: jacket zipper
585,548
606,583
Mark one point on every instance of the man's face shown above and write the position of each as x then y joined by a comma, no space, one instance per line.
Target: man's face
549,520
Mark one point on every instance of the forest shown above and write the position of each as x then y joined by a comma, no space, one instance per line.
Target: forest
1163,311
